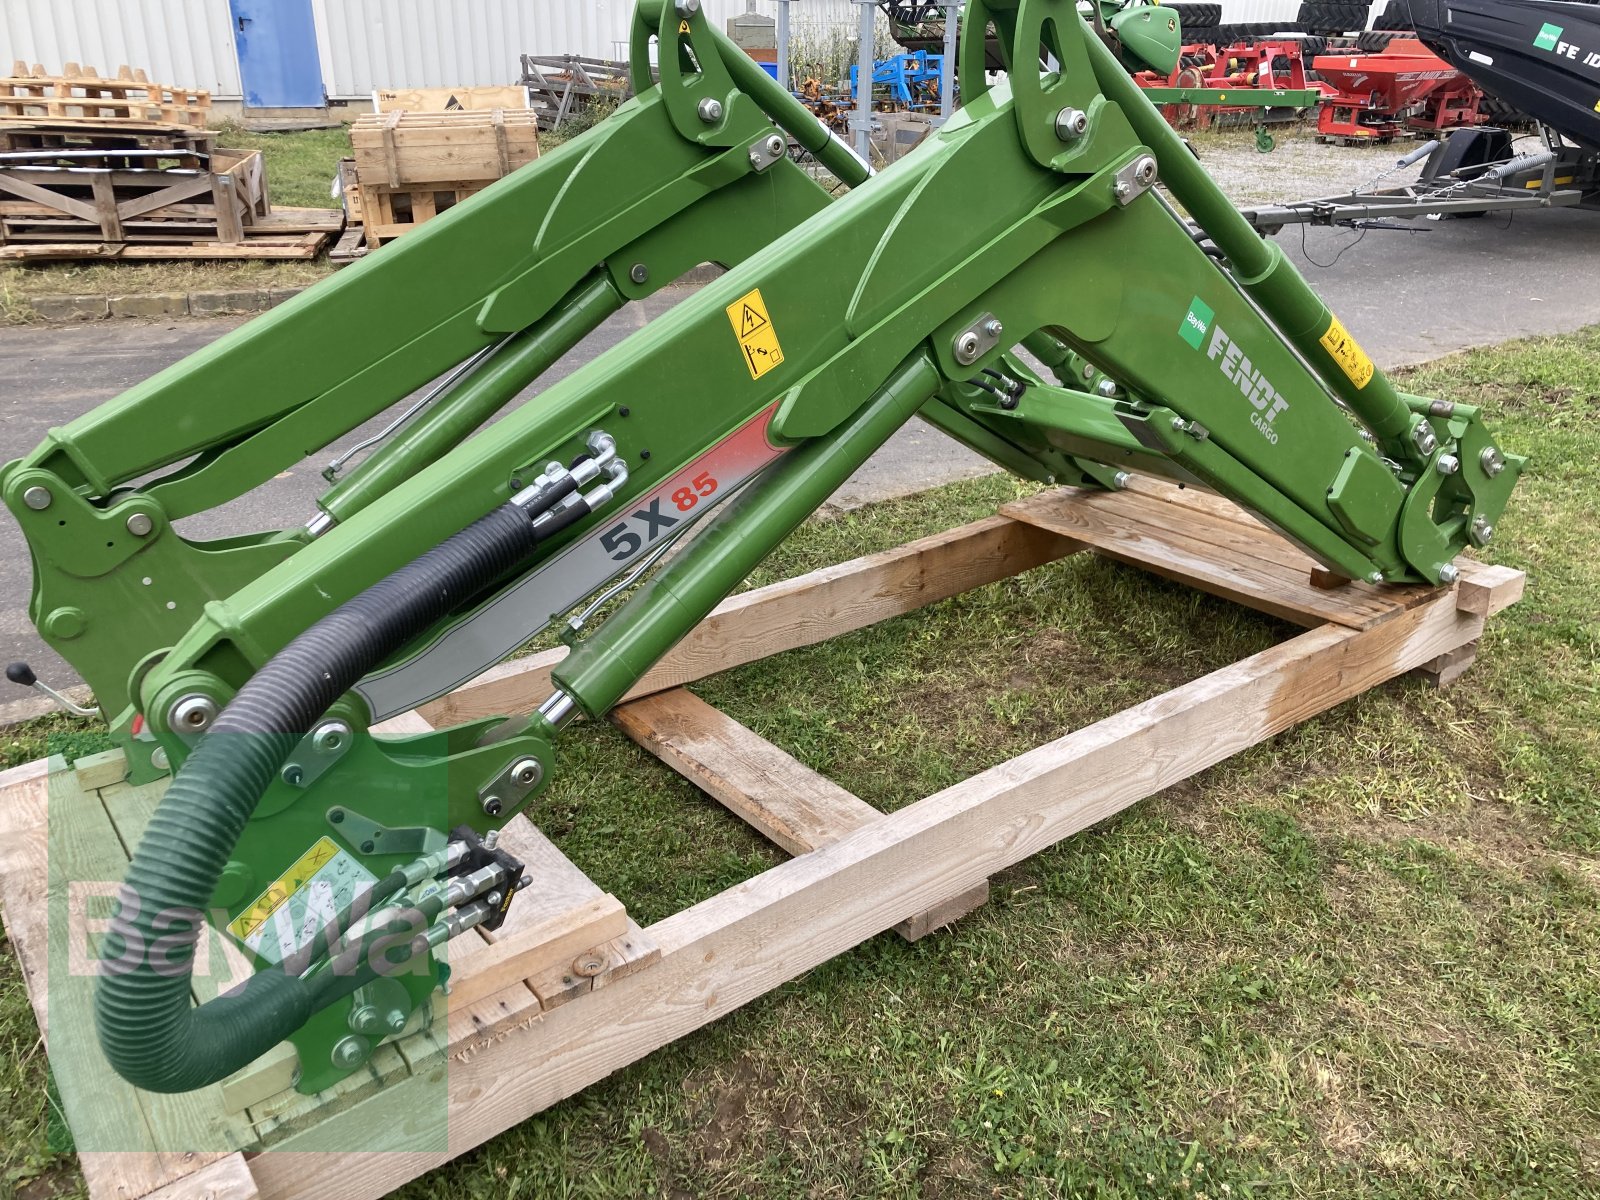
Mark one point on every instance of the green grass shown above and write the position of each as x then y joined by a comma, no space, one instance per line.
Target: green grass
300,171
1360,961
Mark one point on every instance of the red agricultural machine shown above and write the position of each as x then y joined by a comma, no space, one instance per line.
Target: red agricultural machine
1404,88
1248,79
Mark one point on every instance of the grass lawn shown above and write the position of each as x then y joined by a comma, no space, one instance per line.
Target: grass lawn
300,171
1362,960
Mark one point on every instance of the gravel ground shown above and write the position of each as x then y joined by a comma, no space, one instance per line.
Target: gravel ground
1301,168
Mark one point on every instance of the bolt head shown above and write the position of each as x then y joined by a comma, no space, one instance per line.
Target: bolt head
140,524
1492,461
710,110
37,498
1071,124
1145,172
1448,464
993,327
1124,191
331,737
292,775
776,146
192,714
160,759
350,1052
688,8
1375,577
492,806
967,348
527,772
1448,573
1108,389
396,1020
1122,479
640,273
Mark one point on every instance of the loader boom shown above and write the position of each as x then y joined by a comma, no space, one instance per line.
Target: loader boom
1021,281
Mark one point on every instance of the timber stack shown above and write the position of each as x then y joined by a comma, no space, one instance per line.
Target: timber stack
126,169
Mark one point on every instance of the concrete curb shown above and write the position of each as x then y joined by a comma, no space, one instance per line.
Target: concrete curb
161,306
157,306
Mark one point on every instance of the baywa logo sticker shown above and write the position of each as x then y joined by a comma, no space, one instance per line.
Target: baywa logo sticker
1197,323
1549,36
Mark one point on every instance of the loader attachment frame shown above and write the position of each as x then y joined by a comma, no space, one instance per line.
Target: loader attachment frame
1022,281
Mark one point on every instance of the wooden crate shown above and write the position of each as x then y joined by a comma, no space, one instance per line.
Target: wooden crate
570,991
79,94
443,100
407,150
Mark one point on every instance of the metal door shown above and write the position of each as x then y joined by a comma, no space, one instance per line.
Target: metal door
278,60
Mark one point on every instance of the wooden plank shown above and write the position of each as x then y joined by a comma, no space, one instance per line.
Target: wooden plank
797,612
105,206
509,961
1486,590
780,797
226,1179
738,945
1254,568
83,210
776,794
94,771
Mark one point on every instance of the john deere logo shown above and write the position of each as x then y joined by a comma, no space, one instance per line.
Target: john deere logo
1197,323
1548,37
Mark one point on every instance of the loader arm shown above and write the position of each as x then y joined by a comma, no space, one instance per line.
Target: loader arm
483,300
1020,280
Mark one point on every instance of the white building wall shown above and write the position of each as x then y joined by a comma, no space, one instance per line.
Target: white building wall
371,44
184,42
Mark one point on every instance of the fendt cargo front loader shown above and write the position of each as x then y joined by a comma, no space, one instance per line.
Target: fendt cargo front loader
1052,280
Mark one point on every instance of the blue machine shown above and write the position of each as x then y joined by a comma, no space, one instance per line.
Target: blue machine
912,80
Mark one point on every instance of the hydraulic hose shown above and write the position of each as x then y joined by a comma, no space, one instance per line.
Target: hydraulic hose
151,1033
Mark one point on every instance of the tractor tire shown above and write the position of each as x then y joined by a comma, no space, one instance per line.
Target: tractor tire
1374,41
1196,17
1396,18
1312,46
1321,16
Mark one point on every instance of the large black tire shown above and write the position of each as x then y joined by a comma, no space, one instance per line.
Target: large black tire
1374,42
1197,17
1395,18
1325,16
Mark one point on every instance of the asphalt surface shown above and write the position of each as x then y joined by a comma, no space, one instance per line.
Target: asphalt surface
1408,297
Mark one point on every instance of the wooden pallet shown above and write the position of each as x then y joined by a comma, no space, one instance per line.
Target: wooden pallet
220,200
112,141
570,991
79,94
388,213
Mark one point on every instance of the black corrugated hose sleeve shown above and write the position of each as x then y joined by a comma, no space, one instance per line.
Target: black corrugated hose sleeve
150,1031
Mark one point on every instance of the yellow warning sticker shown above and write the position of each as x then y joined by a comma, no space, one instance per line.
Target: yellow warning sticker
758,340
683,27
277,895
1347,352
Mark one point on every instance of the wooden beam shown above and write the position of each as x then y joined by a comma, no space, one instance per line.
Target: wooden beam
777,795
798,612
1204,548
742,943
496,966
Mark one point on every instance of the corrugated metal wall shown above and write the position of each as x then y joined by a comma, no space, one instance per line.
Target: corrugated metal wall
370,44
185,42
600,28
367,44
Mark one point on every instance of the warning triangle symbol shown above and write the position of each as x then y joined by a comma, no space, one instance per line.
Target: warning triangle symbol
454,105
750,322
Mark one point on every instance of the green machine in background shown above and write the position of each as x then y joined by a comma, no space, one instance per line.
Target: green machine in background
1020,281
